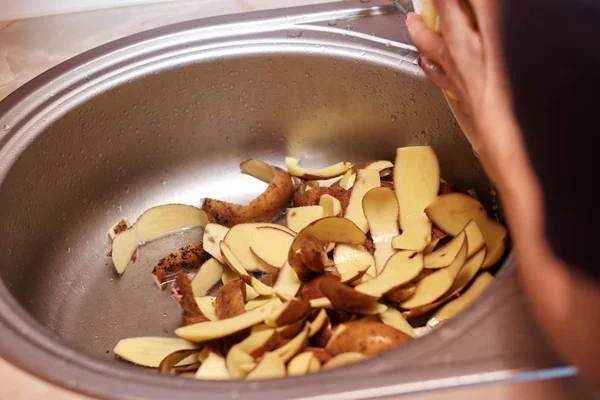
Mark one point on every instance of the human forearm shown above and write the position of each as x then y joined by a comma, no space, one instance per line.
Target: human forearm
564,302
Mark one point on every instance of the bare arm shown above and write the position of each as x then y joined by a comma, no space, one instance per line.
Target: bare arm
468,61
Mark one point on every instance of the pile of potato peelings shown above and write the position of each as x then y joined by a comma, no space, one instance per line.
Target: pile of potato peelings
359,260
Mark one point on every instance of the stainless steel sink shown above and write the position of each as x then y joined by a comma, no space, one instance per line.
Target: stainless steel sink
166,116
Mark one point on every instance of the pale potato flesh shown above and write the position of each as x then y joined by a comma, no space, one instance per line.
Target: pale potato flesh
150,351
271,245
239,239
400,269
207,277
331,229
235,359
270,366
416,184
287,282
452,212
381,210
332,207
299,218
204,331
444,256
392,317
454,307
293,166
211,241
213,368
365,181
299,365
207,306
344,359
294,346
434,286
318,323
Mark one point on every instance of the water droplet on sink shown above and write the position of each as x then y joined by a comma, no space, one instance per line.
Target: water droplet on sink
6,127
233,73
365,1
393,118
164,315
332,22
295,33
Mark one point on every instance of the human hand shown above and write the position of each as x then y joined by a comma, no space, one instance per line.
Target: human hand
466,60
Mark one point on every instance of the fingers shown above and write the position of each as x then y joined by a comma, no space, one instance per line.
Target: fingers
430,44
436,73
457,28
487,13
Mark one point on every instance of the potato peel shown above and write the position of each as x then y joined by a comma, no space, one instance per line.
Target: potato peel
267,206
154,223
262,326
293,166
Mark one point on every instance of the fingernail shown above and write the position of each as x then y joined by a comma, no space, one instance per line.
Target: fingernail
419,61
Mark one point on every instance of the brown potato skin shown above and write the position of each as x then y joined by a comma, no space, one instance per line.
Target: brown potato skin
320,354
400,294
185,297
446,188
366,337
290,331
272,202
437,233
321,338
312,197
187,258
296,310
369,245
309,260
311,290
270,344
295,261
343,298
269,279
311,253
230,299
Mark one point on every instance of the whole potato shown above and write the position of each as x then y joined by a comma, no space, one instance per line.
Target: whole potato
366,337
